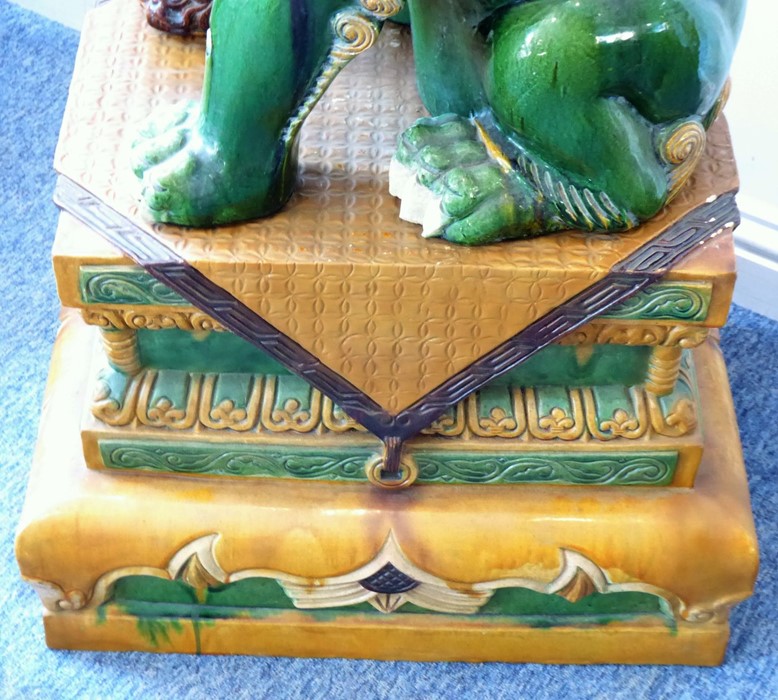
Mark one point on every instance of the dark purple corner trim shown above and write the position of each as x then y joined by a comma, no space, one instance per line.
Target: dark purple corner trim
169,268
637,271
640,269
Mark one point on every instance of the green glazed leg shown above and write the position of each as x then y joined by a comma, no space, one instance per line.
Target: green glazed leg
449,54
584,93
233,156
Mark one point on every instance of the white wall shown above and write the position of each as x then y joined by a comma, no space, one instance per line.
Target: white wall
753,108
67,12
753,118
752,114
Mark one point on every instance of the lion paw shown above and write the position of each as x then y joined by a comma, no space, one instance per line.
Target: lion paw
169,158
188,179
450,183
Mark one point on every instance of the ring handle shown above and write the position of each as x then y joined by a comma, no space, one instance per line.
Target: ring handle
409,472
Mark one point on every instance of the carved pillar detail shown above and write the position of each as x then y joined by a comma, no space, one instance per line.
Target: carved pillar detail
121,347
664,366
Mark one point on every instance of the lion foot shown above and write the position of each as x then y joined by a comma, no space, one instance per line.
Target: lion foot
186,179
171,160
454,183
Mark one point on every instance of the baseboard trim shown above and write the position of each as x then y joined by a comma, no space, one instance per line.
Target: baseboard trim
756,248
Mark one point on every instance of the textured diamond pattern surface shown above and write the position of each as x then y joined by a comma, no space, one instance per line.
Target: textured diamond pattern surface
337,270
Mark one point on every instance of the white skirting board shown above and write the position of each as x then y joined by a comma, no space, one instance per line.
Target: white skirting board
756,247
68,12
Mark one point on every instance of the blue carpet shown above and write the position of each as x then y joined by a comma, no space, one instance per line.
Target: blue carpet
36,59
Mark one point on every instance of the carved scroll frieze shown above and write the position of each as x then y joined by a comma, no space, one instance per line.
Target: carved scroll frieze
425,465
496,420
125,285
156,320
159,411
387,582
116,408
586,468
218,459
224,414
667,301
613,333
282,412
267,404
631,424
564,420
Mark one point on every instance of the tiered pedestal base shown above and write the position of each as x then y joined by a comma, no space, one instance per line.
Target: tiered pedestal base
325,545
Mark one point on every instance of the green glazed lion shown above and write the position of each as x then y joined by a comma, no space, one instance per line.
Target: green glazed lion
546,114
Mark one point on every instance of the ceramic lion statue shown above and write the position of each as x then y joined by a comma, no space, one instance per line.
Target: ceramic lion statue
545,114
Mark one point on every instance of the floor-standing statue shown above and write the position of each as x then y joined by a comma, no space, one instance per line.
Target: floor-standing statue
318,434
547,114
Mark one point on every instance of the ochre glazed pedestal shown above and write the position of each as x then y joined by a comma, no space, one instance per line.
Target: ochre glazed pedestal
192,493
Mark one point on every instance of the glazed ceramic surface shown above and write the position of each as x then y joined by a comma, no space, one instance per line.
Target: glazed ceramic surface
547,114
208,479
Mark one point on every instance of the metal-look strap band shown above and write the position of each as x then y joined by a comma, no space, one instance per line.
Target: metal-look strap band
641,268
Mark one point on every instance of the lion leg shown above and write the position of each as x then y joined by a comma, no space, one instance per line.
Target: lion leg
443,170
449,54
589,88
232,156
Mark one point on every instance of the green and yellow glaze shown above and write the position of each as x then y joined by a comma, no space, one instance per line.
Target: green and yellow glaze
627,469
224,352
162,606
667,301
205,542
546,114
233,460
499,435
209,351
148,596
125,285
348,464
266,404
